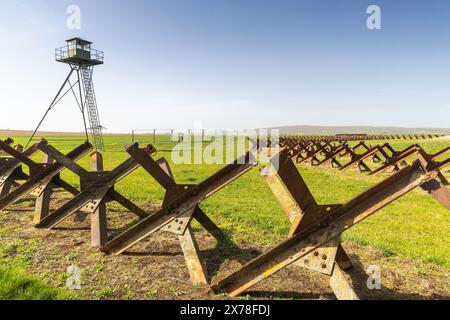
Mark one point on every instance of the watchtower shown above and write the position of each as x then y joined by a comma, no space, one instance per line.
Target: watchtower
79,52
81,57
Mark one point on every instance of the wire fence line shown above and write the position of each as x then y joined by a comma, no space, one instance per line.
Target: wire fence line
176,135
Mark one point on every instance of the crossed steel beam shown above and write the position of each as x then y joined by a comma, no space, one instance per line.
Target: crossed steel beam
398,159
96,186
96,190
314,240
358,137
181,226
182,204
8,141
42,178
302,151
331,158
10,168
357,161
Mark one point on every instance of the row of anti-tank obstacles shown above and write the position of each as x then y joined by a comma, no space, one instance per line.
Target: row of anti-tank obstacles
313,242
359,137
333,154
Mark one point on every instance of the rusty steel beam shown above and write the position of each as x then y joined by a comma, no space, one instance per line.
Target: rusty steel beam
330,226
7,141
362,144
287,185
376,158
42,175
438,191
196,268
160,170
312,155
94,187
440,153
330,158
289,139
358,160
17,154
300,154
10,165
183,204
398,159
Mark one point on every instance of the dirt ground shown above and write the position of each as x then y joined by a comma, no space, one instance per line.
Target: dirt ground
155,269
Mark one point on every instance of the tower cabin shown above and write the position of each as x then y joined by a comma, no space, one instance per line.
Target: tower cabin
79,52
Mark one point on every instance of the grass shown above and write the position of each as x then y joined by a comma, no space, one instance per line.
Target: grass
19,285
415,226
105,293
16,283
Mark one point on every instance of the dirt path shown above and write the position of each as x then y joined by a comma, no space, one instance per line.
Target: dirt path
155,269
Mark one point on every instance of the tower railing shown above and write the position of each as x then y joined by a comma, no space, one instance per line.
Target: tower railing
63,53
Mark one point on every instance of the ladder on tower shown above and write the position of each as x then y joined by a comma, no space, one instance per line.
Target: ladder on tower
91,107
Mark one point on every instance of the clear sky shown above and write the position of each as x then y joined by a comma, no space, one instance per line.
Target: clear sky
232,63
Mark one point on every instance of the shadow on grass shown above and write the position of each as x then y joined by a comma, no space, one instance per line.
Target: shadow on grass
225,250
359,277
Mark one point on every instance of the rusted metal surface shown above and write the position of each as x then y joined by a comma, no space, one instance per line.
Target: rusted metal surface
42,207
10,168
322,228
331,152
398,160
7,141
331,157
438,190
313,241
180,205
195,266
357,160
95,186
99,225
342,259
302,209
356,137
341,286
160,170
41,175
313,152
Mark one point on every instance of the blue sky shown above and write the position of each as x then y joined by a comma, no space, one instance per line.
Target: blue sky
233,63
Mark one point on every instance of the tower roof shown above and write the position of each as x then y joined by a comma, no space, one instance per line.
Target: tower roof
80,40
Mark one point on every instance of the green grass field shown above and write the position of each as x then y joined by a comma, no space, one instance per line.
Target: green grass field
416,226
